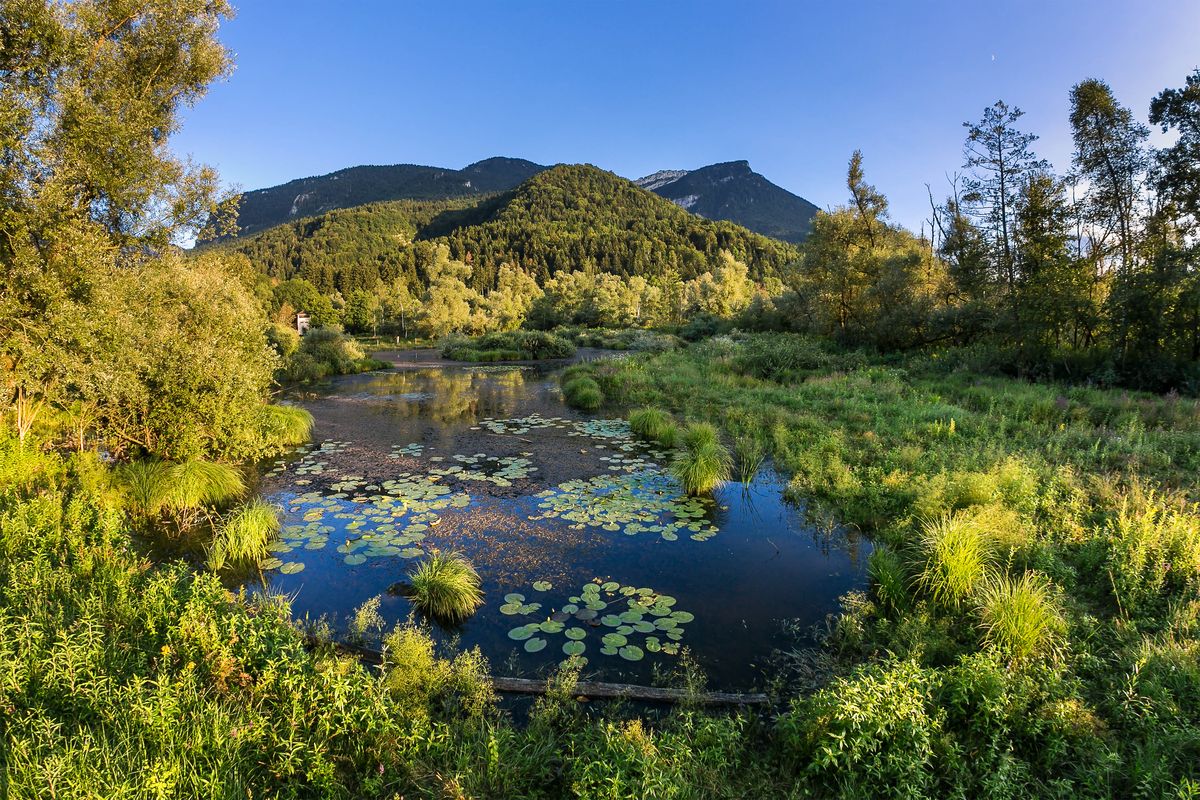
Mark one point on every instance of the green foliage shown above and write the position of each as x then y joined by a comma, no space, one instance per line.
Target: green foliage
422,683
324,352
749,455
509,346
1018,616
889,577
1153,545
583,393
184,491
445,587
868,736
703,463
242,537
286,425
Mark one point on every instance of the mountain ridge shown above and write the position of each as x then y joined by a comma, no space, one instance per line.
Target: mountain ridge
728,191
732,191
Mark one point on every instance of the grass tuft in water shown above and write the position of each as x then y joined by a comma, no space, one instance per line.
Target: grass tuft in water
655,425
245,535
287,425
749,455
583,393
889,578
445,587
704,462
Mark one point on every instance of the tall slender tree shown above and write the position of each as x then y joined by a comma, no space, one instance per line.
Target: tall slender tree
1111,156
999,159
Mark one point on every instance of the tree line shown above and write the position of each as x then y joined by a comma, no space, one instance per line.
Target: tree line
1092,273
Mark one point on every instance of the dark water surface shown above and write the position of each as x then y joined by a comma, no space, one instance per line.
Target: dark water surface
544,500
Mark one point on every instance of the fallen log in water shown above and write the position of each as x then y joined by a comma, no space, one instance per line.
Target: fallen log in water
632,692
627,691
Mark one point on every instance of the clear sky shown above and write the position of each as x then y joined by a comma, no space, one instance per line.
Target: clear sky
644,85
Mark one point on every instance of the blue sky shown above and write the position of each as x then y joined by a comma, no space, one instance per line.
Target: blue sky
634,87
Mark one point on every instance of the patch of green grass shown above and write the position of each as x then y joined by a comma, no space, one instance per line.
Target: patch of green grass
655,425
956,558
445,587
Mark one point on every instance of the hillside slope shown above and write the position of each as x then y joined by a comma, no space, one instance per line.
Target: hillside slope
570,217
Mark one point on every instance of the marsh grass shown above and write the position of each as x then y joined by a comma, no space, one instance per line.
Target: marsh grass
287,425
703,464
244,535
655,425
583,393
889,576
1018,617
147,486
957,557
187,491
749,455
445,587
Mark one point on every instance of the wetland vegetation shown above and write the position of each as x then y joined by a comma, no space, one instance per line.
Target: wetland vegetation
934,495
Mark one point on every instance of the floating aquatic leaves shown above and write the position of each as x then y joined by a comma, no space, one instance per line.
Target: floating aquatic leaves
378,520
407,450
493,469
639,611
542,586
646,501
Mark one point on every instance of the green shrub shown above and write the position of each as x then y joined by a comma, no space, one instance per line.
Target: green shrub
704,463
781,357
1018,617
445,587
583,393
422,683
869,736
507,346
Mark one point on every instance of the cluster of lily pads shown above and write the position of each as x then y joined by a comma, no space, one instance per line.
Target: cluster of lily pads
504,470
618,614
413,450
386,519
310,462
518,425
643,501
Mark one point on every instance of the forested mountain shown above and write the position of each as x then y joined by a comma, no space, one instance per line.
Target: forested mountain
347,188
575,217
733,192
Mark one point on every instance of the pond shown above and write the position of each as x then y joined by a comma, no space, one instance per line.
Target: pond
585,543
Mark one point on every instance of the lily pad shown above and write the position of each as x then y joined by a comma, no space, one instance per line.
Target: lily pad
535,645
575,633
542,586
522,633
631,652
573,647
292,567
